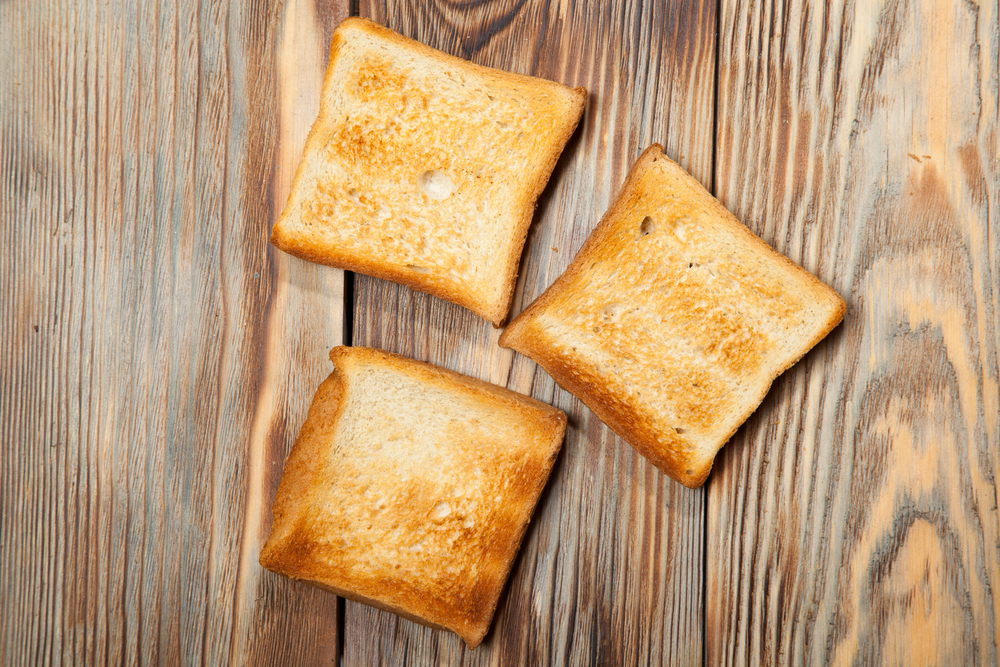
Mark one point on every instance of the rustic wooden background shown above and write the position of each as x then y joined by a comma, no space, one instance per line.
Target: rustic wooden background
158,355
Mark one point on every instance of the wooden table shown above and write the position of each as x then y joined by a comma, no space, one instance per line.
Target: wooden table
158,355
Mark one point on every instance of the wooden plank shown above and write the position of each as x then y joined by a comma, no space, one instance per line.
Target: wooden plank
155,347
284,622
854,519
611,569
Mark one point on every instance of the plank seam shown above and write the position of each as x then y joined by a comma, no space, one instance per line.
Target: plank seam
354,9
713,188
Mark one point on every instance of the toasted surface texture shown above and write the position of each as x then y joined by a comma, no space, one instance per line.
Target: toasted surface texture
674,319
410,487
424,169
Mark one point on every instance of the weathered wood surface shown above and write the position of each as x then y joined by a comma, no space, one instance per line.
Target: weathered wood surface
854,519
611,569
156,350
159,356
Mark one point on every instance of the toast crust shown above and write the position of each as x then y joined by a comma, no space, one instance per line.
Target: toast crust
705,355
356,201
410,488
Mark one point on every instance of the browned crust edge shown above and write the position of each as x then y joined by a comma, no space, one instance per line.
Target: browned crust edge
300,470
496,313
518,336
498,316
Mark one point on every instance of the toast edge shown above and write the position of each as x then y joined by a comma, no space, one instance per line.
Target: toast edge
578,104
301,463
278,237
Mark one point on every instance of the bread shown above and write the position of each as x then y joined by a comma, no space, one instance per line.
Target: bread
674,319
410,487
424,169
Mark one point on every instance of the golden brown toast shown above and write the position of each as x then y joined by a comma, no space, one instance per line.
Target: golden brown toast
424,169
410,487
674,319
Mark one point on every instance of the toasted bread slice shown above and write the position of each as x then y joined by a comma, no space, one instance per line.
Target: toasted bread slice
424,169
674,319
410,487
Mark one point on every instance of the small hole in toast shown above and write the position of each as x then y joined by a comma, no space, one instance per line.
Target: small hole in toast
418,269
436,184
647,226
612,312
355,196
680,431
441,511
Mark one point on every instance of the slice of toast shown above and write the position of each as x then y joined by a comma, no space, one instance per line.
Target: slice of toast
424,169
674,319
410,487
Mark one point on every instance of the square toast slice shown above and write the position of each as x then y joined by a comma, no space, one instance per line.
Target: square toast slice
410,488
424,169
674,319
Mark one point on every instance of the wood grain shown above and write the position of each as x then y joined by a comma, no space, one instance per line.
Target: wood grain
611,569
854,519
159,355
157,351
